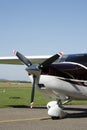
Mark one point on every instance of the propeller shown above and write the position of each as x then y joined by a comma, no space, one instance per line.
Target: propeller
35,69
22,58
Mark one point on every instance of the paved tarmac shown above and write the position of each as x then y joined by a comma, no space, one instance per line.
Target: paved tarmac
37,119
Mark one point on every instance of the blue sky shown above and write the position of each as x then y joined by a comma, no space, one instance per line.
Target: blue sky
41,27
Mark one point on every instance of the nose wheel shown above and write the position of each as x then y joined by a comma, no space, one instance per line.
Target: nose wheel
55,110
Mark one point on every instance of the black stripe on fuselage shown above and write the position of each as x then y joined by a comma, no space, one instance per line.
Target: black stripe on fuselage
75,82
69,70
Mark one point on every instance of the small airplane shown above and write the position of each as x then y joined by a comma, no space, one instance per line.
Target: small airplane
63,77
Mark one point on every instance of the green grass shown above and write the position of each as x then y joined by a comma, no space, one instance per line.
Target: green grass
78,102
14,94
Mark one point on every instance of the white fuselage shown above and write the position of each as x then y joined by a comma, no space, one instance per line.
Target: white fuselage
54,86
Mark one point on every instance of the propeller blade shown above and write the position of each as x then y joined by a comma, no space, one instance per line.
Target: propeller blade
51,60
22,58
33,92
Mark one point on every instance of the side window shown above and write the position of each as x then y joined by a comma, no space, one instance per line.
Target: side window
79,58
63,58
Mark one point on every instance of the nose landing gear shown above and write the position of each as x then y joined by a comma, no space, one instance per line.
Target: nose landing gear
55,110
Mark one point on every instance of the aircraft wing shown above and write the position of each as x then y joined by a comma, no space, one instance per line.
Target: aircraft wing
16,61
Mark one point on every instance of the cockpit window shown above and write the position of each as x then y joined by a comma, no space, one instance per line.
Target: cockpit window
63,58
78,58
